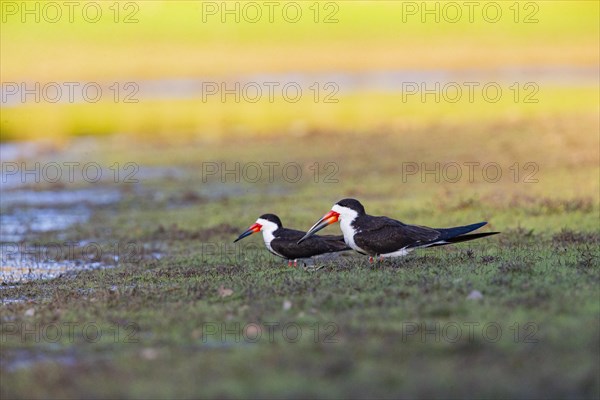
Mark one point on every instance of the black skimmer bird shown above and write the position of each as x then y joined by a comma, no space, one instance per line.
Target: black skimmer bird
385,237
283,242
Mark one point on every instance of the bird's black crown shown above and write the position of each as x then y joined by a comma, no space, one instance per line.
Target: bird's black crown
273,218
353,204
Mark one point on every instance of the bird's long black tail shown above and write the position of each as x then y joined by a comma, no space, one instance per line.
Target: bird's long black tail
449,233
463,238
458,234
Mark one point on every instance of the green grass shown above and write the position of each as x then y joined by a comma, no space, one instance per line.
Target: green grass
540,276
541,291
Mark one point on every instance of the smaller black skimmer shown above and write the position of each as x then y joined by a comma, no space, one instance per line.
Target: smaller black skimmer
385,237
283,242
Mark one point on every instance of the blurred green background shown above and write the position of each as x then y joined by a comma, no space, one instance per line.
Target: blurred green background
151,58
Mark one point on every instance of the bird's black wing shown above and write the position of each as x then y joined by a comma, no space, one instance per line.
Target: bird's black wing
335,242
286,244
384,235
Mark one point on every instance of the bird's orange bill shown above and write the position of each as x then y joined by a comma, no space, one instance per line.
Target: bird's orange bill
253,229
327,219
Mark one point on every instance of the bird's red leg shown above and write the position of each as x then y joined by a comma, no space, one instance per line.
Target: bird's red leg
370,260
289,263
296,263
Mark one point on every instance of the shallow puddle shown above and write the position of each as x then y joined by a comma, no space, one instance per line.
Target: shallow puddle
57,198
33,213
28,213
21,223
21,263
23,359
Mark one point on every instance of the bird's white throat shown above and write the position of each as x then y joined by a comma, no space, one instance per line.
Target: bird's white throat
267,230
346,218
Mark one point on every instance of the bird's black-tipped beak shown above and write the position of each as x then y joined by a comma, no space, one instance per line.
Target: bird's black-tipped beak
253,229
327,219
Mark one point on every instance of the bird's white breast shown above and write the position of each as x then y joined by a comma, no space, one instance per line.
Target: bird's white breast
347,216
268,238
267,230
348,231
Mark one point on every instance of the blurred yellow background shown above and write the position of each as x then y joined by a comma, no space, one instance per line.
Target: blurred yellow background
140,50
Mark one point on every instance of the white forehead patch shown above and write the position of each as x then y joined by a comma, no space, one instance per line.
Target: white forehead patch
267,229
267,226
346,213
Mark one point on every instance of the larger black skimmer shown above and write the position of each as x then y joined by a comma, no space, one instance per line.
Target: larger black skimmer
383,237
283,242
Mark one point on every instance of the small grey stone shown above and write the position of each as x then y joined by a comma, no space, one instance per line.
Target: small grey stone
475,295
